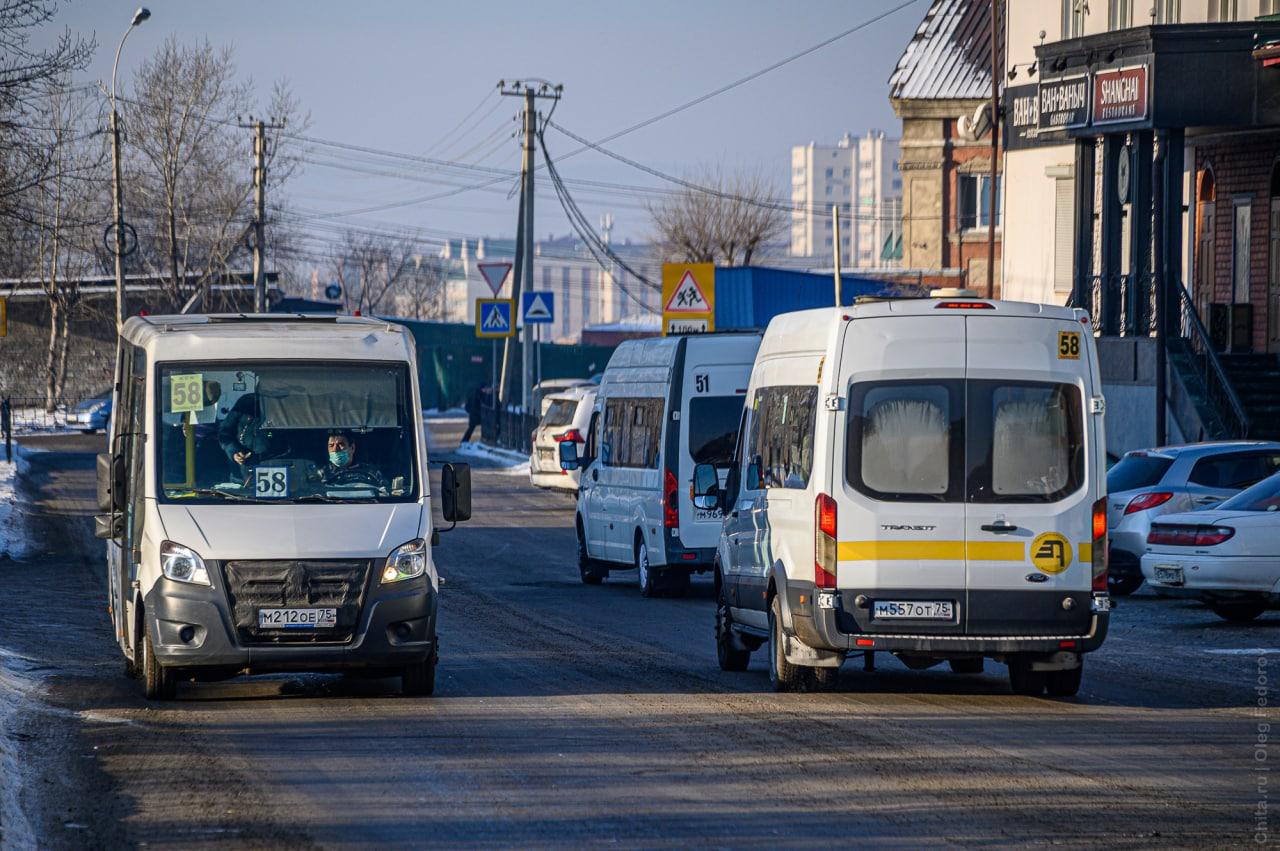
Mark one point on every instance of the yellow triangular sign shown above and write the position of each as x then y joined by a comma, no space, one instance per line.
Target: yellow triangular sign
687,297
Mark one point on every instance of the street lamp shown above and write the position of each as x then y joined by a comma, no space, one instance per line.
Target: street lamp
117,201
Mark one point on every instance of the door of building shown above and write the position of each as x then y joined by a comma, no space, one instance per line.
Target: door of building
1273,273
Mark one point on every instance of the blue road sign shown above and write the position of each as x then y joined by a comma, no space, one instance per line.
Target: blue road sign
493,318
538,307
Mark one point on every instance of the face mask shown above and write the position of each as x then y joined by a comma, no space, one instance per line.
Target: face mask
341,458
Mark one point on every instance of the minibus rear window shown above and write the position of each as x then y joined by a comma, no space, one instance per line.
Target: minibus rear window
713,428
905,440
1025,441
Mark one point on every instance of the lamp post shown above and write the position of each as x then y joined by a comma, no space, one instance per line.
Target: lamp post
117,199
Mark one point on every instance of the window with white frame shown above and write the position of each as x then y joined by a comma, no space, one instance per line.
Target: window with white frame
1269,7
1170,11
1073,12
1120,14
973,198
1224,10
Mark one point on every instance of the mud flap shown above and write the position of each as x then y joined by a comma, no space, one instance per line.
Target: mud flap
799,653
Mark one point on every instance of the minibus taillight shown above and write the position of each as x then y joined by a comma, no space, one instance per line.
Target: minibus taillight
824,545
572,434
1100,545
964,305
670,508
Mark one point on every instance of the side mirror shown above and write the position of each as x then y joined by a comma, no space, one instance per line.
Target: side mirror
455,492
111,478
568,454
108,526
706,487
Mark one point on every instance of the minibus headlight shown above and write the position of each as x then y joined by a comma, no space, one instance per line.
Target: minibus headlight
407,561
183,564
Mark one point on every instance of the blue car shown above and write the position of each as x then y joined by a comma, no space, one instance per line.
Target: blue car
93,414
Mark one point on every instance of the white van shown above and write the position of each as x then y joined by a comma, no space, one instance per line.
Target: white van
923,477
267,500
664,406
567,416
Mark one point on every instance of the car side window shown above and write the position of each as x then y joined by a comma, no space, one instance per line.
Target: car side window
1234,470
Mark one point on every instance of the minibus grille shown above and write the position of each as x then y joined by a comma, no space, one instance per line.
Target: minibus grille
328,583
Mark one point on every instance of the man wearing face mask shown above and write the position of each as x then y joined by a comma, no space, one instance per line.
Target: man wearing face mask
342,469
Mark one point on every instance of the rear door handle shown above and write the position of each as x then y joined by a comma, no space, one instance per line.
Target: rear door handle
1205,500
999,527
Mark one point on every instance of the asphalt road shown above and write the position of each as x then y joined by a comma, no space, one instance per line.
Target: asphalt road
568,714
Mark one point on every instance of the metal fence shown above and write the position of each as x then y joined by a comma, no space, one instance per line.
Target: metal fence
30,413
508,429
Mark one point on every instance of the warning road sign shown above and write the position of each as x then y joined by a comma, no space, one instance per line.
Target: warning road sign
494,275
688,298
538,307
493,318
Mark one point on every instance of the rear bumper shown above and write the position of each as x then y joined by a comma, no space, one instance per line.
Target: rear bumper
829,622
396,627
557,480
693,559
1204,575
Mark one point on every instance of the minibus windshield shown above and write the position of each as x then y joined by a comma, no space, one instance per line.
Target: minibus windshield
285,432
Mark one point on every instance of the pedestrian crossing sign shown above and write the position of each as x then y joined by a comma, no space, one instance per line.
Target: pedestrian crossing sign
493,318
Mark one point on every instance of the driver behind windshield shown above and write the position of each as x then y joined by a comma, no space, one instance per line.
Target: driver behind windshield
343,469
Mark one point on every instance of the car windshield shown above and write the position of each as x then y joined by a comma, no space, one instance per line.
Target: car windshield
1264,496
560,413
1137,470
283,432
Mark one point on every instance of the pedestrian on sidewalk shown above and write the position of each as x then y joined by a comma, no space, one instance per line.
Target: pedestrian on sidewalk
476,402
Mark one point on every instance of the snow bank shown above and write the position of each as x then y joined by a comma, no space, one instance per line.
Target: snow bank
513,463
16,685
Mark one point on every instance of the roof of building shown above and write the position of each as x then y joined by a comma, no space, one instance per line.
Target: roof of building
949,57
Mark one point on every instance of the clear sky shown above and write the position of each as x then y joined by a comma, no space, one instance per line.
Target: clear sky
400,75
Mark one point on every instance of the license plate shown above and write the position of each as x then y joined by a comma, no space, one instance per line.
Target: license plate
1169,575
708,515
297,618
916,610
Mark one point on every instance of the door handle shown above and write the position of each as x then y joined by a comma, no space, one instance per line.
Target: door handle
1000,527
595,475
1205,500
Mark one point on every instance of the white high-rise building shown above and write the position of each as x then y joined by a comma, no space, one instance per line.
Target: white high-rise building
860,175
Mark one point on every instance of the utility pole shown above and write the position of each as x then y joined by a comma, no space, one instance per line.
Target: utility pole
995,142
260,128
835,230
530,90
117,192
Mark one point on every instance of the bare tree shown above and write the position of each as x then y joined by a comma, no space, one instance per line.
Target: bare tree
421,294
728,221
24,72
191,187
372,270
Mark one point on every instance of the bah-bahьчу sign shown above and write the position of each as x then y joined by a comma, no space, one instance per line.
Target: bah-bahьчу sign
1064,103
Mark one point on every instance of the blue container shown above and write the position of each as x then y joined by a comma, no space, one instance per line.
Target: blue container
749,296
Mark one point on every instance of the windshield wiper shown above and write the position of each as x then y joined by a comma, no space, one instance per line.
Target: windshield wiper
320,497
235,497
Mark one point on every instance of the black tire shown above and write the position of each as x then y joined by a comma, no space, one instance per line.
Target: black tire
1023,680
1239,612
158,682
419,680
728,654
966,666
646,577
1124,584
1064,683
130,669
825,679
675,583
783,676
588,569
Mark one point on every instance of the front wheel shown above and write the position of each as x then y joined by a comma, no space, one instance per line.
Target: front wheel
1124,584
730,656
1239,612
419,679
588,569
783,675
158,682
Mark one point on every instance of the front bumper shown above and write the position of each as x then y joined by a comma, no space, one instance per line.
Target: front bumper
397,626
1202,574
833,621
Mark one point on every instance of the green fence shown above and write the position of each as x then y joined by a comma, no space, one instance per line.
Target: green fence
452,362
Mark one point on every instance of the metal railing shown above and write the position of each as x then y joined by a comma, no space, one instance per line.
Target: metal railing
508,429
30,413
1196,345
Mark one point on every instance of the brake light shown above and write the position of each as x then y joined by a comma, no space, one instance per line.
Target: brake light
1188,535
1143,501
1100,545
964,305
670,509
824,545
572,434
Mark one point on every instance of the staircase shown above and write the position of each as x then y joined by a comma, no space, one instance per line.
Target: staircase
1256,380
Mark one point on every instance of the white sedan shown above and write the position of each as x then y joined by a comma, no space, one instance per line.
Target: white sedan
1228,555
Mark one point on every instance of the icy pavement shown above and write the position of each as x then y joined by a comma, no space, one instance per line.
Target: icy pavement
16,684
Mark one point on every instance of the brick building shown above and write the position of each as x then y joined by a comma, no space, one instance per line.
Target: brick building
941,82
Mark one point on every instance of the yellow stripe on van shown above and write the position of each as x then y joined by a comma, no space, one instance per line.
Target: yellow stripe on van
1085,551
941,551
997,551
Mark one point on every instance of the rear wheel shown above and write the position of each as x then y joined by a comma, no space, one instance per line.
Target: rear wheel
588,569
1239,612
645,576
158,682
966,666
419,679
825,679
783,676
1064,683
675,583
1023,680
728,654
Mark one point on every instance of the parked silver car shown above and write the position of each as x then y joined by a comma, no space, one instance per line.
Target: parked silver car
93,414
1148,483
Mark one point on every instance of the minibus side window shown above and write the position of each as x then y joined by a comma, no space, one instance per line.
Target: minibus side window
905,440
632,428
782,435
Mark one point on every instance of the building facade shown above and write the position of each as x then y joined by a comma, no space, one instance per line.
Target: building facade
941,89
859,174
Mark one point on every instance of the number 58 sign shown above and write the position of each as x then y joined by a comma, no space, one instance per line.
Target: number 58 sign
186,393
